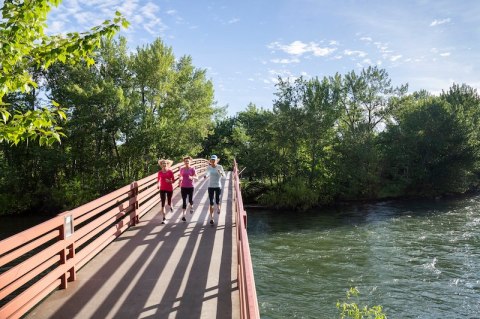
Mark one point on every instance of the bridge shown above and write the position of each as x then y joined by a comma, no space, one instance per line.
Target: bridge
113,258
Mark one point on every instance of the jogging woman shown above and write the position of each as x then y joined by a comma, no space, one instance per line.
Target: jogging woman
165,179
186,178
215,172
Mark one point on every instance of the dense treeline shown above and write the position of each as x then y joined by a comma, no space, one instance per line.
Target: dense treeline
123,113
343,137
354,137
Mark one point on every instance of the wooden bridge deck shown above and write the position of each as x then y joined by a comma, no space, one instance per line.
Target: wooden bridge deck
178,270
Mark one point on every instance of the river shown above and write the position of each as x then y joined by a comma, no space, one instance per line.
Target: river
417,259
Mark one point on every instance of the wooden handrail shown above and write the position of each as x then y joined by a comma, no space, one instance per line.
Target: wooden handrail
246,282
46,257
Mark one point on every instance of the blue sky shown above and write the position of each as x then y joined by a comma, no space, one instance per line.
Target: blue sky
245,45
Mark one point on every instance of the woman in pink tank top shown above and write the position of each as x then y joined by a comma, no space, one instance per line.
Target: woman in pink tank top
165,180
186,178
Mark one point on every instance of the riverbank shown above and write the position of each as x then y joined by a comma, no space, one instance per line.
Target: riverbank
353,202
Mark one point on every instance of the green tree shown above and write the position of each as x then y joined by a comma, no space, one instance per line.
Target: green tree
287,126
25,48
465,102
367,101
319,116
428,150
113,135
260,155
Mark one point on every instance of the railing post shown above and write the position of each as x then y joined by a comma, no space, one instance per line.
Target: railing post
68,251
134,201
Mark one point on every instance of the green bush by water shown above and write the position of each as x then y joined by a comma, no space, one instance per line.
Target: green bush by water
294,195
354,311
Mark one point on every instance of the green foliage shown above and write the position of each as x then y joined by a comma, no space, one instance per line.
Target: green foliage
25,47
123,114
354,137
73,193
252,189
350,309
291,195
336,138
32,124
428,150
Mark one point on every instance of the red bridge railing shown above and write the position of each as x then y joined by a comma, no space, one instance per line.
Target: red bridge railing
246,282
46,257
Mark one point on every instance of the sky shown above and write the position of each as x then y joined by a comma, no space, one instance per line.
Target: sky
246,45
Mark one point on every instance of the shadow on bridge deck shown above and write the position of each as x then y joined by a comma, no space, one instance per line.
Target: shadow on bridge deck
178,270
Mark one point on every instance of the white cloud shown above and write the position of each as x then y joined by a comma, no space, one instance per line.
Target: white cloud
445,54
82,15
318,51
366,39
153,24
305,74
360,54
300,48
285,61
284,74
383,47
439,22
395,57
234,20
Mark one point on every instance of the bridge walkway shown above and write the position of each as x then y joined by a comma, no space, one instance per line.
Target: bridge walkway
178,270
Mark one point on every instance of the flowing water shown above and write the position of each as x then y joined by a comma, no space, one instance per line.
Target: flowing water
417,259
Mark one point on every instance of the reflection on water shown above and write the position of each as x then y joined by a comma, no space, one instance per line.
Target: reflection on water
419,259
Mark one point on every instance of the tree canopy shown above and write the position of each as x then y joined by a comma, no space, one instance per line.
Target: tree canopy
25,50
354,137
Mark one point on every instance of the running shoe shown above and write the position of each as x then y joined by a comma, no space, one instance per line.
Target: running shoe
211,222
191,210
171,209
184,219
164,218
163,222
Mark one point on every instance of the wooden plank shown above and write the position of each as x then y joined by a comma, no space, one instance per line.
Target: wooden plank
86,254
29,276
29,247
36,289
79,211
87,232
26,266
120,200
26,236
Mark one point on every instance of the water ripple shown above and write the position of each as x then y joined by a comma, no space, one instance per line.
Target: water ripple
418,259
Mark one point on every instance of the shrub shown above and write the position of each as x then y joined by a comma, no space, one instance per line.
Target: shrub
354,311
294,195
